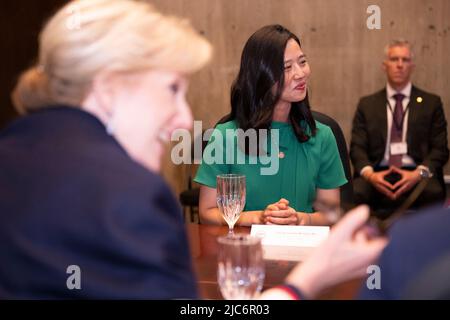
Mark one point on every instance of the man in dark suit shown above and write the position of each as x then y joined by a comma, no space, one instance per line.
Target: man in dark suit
399,137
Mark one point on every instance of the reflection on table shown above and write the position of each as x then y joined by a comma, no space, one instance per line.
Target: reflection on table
204,254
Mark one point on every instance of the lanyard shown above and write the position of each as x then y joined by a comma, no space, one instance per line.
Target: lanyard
399,126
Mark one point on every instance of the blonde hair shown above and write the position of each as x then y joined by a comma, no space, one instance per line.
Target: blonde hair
88,36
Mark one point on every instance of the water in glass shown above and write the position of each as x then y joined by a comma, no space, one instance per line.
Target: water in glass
231,197
240,271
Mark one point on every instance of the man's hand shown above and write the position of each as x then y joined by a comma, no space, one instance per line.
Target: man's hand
409,180
379,183
280,213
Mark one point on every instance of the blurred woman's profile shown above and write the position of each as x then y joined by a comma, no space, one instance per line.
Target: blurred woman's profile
83,211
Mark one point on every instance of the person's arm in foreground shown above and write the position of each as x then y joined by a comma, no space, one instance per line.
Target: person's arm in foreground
345,255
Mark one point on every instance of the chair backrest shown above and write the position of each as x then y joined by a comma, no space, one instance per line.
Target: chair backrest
198,140
189,198
347,189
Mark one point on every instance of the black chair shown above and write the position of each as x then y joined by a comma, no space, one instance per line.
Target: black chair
346,189
189,198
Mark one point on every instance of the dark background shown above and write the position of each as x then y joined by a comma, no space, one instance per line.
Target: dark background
20,23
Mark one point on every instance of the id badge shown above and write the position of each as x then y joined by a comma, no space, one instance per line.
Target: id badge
399,148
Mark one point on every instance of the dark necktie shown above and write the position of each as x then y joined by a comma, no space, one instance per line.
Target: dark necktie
397,129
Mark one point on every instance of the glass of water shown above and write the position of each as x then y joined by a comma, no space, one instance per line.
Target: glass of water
240,272
231,197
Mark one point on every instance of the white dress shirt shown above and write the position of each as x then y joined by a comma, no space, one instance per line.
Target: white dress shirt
407,161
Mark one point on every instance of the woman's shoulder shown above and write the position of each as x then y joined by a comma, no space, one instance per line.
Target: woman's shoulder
323,131
321,125
226,125
323,135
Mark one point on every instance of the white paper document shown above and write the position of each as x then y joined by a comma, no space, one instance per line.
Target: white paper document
293,243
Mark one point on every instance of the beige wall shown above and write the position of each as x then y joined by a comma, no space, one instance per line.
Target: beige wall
344,55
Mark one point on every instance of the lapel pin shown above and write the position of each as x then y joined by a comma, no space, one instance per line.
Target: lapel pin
419,99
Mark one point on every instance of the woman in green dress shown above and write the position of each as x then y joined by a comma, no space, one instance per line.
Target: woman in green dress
302,161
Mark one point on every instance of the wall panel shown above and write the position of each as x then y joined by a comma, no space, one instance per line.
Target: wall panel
345,56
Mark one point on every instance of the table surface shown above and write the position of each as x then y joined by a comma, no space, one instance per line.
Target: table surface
202,239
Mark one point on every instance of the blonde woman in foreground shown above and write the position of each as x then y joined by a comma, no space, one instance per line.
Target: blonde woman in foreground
80,189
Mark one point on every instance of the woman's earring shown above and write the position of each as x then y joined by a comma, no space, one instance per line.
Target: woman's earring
110,126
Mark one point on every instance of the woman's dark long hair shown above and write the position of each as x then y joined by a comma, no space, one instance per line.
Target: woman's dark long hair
253,99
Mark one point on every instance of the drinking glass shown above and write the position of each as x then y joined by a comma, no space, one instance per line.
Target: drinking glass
240,272
231,197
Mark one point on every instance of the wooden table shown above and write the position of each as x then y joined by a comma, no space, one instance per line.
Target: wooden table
204,252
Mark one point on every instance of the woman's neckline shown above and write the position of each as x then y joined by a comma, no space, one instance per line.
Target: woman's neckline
280,124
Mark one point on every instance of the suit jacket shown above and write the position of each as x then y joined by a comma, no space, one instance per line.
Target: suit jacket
70,195
416,243
426,136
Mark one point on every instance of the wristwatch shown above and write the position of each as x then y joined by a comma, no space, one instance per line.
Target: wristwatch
424,173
